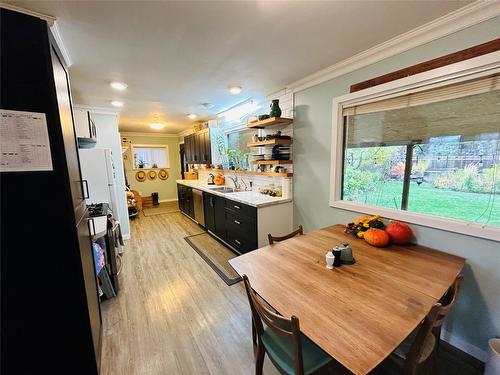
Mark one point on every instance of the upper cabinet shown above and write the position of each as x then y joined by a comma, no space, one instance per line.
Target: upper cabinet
85,128
198,147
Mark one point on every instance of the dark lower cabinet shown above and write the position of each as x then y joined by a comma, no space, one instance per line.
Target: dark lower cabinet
220,217
215,219
241,226
185,199
233,222
209,210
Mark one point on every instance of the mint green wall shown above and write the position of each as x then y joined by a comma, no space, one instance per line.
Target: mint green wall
166,189
476,318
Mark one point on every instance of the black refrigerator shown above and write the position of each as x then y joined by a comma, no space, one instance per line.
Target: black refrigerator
50,309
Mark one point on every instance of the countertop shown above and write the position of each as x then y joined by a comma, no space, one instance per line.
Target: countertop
251,198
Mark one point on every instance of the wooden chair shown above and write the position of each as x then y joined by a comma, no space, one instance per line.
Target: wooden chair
272,239
424,343
289,350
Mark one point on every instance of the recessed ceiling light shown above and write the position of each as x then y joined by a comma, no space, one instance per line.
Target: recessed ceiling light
235,90
157,125
119,85
117,103
207,105
192,116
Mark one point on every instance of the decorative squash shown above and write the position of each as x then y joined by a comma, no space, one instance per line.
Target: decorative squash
376,237
219,179
400,233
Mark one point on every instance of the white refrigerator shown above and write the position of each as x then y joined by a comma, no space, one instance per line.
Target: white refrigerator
98,170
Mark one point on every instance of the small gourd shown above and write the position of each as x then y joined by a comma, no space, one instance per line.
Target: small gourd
377,237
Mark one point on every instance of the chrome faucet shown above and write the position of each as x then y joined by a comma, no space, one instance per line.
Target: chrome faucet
236,182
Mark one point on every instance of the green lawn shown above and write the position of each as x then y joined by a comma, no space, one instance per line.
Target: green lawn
477,207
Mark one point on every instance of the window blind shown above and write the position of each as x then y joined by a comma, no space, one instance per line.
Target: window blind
454,91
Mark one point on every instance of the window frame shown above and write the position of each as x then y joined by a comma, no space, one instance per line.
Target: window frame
165,147
454,73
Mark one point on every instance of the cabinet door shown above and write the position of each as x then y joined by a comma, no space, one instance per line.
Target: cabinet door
188,202
90,280
187,149
180,196
220,217
209,208
208,147
196,149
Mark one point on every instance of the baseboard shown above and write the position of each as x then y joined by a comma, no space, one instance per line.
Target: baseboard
126,236
464,346
168,200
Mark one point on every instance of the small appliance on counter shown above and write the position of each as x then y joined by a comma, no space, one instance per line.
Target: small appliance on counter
211,179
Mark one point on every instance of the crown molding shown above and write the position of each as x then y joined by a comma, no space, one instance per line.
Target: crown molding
56,32
450,23
185,132
150,135
50,19
98,110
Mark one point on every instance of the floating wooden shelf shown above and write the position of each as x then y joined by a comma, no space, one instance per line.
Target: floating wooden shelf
271,142
272,174
272,162
270,122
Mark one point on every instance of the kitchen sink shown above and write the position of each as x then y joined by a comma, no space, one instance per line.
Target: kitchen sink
225,189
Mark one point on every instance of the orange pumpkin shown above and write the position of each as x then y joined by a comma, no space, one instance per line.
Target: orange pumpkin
377,237
400,233
219,180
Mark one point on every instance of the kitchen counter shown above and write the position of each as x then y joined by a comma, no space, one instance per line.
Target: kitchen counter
250,198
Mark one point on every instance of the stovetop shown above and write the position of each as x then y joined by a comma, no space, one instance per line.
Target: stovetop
98,209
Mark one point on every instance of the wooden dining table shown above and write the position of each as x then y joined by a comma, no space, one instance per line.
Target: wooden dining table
357,313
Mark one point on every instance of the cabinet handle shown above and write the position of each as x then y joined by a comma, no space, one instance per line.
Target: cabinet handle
237,207
211,201
238,242
90,125
237,222
93,226
86,196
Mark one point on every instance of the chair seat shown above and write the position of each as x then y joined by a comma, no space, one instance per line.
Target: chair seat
280,348
428,347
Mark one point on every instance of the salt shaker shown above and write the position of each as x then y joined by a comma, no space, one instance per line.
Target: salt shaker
330,258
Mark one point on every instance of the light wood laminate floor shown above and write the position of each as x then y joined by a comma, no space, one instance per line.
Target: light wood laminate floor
175,315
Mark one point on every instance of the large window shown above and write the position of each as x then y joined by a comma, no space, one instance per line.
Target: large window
433,152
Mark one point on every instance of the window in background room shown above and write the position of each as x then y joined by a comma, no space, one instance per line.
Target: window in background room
433,152
151,156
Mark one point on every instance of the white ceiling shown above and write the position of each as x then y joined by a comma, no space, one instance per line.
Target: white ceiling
176,55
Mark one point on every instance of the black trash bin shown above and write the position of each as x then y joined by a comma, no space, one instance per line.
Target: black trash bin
155,199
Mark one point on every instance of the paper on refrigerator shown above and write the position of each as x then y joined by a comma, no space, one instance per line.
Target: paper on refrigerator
24,142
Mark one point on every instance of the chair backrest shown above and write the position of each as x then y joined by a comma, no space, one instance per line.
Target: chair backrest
275,322
431,325
273,239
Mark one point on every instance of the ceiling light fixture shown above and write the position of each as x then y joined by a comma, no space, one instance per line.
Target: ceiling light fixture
120,86
207,105
192,116
117,103
235,90
156,125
